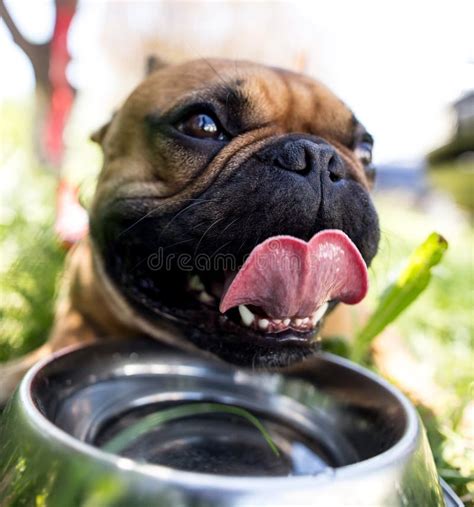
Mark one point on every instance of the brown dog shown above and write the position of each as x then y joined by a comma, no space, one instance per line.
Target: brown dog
204,162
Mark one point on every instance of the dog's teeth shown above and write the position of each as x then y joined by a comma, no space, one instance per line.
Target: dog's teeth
298,322
276,321
305,321
319,313
263,323
286,322
204,297
246,315
195,283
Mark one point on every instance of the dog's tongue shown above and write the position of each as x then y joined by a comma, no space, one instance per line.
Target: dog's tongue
287,277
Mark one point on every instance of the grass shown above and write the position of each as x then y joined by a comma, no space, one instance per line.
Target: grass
30,257
399,294
437,328
128,435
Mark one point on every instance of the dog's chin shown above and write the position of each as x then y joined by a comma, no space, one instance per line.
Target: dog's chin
194,314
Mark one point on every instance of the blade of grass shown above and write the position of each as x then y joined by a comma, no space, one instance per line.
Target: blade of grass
125,437
411,282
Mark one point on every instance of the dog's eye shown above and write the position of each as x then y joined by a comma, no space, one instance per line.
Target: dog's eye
363,152
201,126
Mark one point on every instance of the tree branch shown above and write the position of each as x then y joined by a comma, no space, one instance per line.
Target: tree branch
15,32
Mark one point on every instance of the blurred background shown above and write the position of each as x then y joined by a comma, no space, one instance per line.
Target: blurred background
405,68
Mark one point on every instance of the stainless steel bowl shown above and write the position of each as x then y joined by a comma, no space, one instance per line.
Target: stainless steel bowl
346,437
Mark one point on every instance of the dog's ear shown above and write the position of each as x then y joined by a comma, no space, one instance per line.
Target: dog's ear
154,63
98,135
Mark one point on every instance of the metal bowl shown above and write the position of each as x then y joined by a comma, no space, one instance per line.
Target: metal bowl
345,436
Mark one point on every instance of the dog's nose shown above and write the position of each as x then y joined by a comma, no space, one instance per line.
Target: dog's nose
303,156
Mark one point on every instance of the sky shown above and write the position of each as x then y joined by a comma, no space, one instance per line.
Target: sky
399,65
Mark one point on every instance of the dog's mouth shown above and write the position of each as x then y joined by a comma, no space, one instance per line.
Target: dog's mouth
287,284
251,322
278,297
290,282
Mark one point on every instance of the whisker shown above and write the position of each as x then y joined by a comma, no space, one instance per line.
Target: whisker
208,63
140,219
197,226
245,239
230,224
147,215
205,232
200,201
138,264
221,247
178,243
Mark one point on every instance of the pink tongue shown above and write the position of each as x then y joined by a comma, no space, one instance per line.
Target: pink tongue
287,277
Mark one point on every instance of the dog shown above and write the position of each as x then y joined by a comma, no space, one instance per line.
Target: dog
210,167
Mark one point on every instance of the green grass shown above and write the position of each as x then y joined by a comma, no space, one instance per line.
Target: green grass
30,257
125,437
437,328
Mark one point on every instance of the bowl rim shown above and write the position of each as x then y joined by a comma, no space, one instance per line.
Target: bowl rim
398,452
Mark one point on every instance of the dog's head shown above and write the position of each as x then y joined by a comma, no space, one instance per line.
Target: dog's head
207,161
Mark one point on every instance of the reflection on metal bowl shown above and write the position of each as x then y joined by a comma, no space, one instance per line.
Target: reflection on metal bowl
345,436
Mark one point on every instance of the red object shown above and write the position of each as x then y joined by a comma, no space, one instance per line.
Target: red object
72,221
62,93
